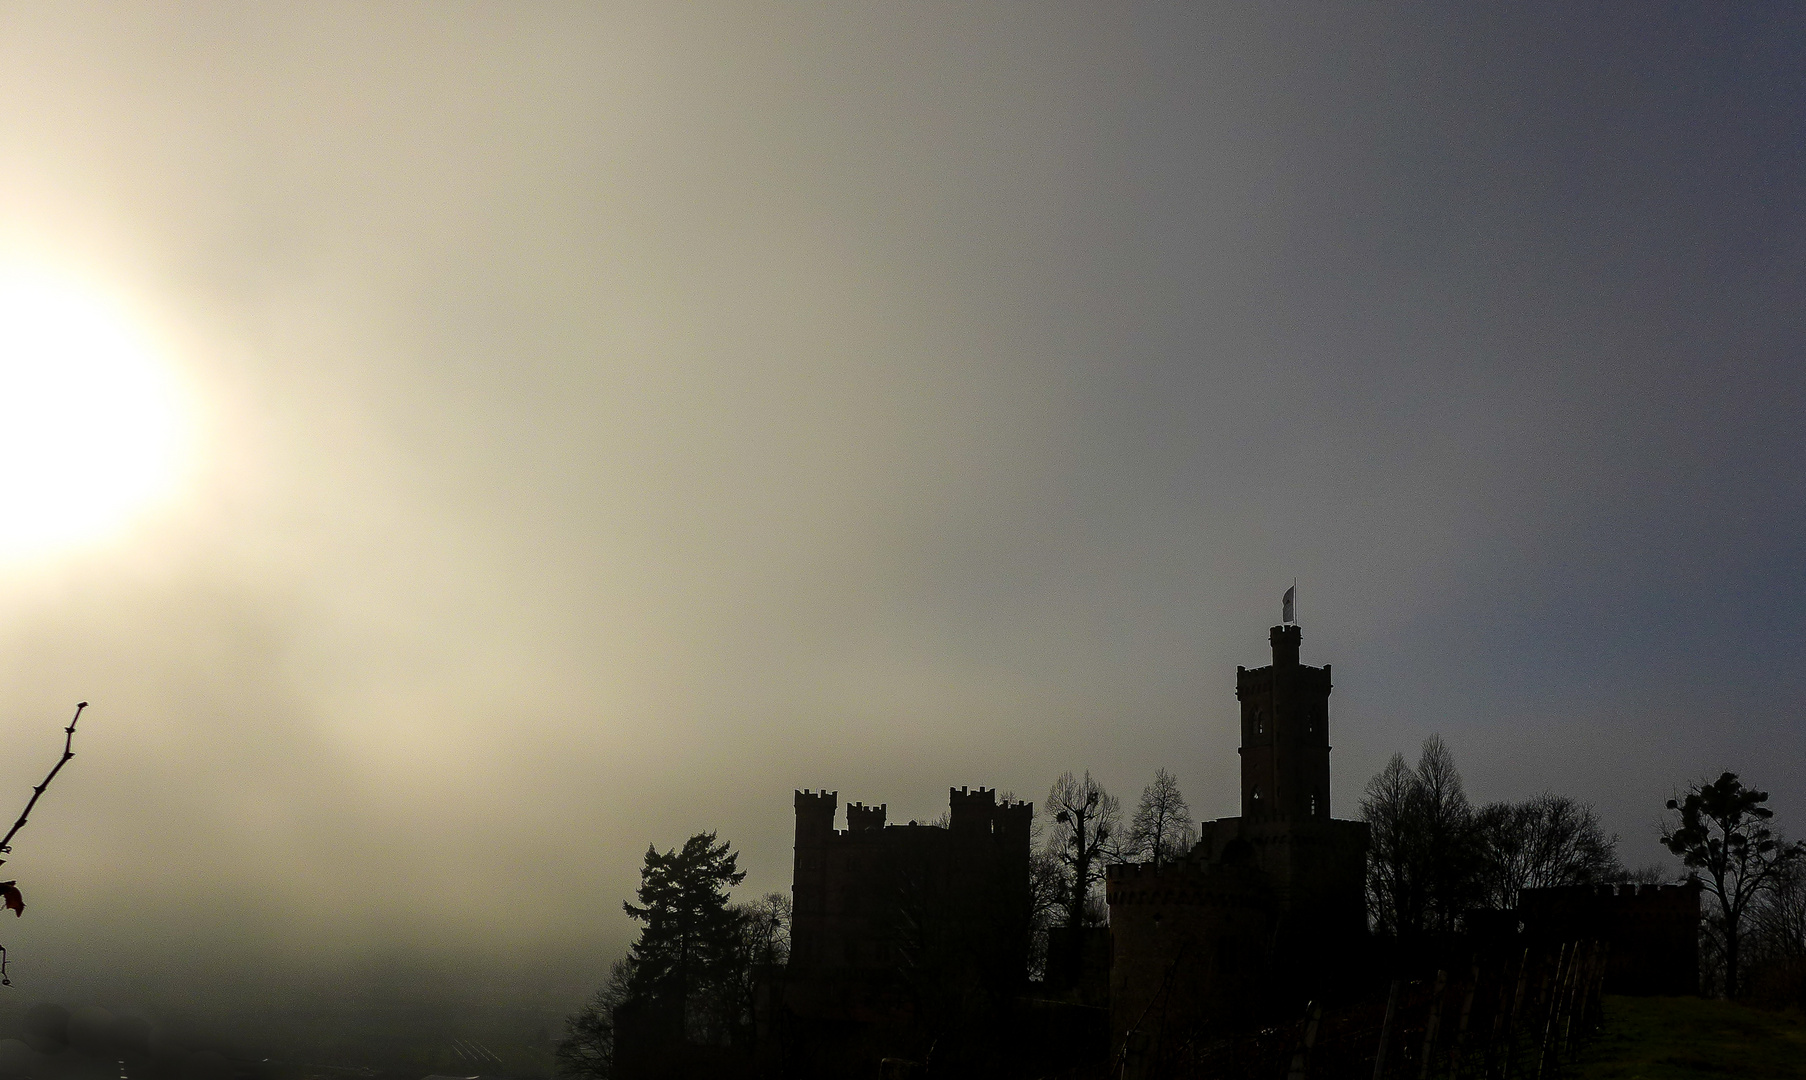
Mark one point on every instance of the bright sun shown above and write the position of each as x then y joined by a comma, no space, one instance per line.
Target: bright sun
90,420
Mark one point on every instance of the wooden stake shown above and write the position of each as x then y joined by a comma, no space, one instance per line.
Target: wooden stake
1379,1057
1433,1025
1564,972
1302,1059
1511,1025
1467,1007
1576,997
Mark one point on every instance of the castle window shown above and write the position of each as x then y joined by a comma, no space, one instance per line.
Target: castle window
1260,722
1313,804
1257,793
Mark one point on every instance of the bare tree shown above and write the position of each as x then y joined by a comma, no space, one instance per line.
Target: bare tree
1046,906
1774,947
1086,826
1545,841
761,953
1655,873
765,929
1446,821
588,1047
1421,859
1162,829
1722,828
1394,891
1780,920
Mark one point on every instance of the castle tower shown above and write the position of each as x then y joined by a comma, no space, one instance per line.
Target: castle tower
1285,735
969,813
809,890
1273,897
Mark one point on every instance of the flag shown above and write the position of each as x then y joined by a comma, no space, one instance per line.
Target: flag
1288,604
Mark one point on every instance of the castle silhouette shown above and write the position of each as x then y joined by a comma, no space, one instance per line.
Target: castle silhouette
910,940
1278,887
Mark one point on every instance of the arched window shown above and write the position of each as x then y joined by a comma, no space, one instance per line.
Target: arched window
1257,793
1260,721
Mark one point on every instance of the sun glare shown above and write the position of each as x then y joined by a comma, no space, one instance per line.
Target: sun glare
90,423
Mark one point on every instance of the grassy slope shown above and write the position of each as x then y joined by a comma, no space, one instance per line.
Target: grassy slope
1684,1038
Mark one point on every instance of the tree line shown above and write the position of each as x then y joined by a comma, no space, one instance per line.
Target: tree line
1433,857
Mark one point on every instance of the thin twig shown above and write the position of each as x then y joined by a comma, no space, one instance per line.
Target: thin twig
68,752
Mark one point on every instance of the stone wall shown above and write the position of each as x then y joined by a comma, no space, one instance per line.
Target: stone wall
1188,942
900,930
1653,931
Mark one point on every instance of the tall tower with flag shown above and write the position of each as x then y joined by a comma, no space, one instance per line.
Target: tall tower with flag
1285,734
1274,894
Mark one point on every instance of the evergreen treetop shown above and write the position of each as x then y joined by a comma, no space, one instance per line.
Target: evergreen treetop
691,932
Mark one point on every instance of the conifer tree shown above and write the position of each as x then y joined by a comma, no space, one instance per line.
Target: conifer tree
692,939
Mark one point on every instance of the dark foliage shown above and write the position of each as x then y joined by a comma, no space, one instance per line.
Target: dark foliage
692,974
1721,830
692,938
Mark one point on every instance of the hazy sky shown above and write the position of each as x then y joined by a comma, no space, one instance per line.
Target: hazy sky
604,420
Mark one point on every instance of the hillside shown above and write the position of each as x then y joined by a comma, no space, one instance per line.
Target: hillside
1682,1038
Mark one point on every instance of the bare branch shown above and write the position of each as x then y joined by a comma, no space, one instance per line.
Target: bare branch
36,792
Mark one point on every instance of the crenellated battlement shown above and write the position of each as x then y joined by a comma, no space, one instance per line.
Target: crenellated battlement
846,885
815,816
971,811
1678,891
1618,898
1014,818
1653,930
963,797
861,817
